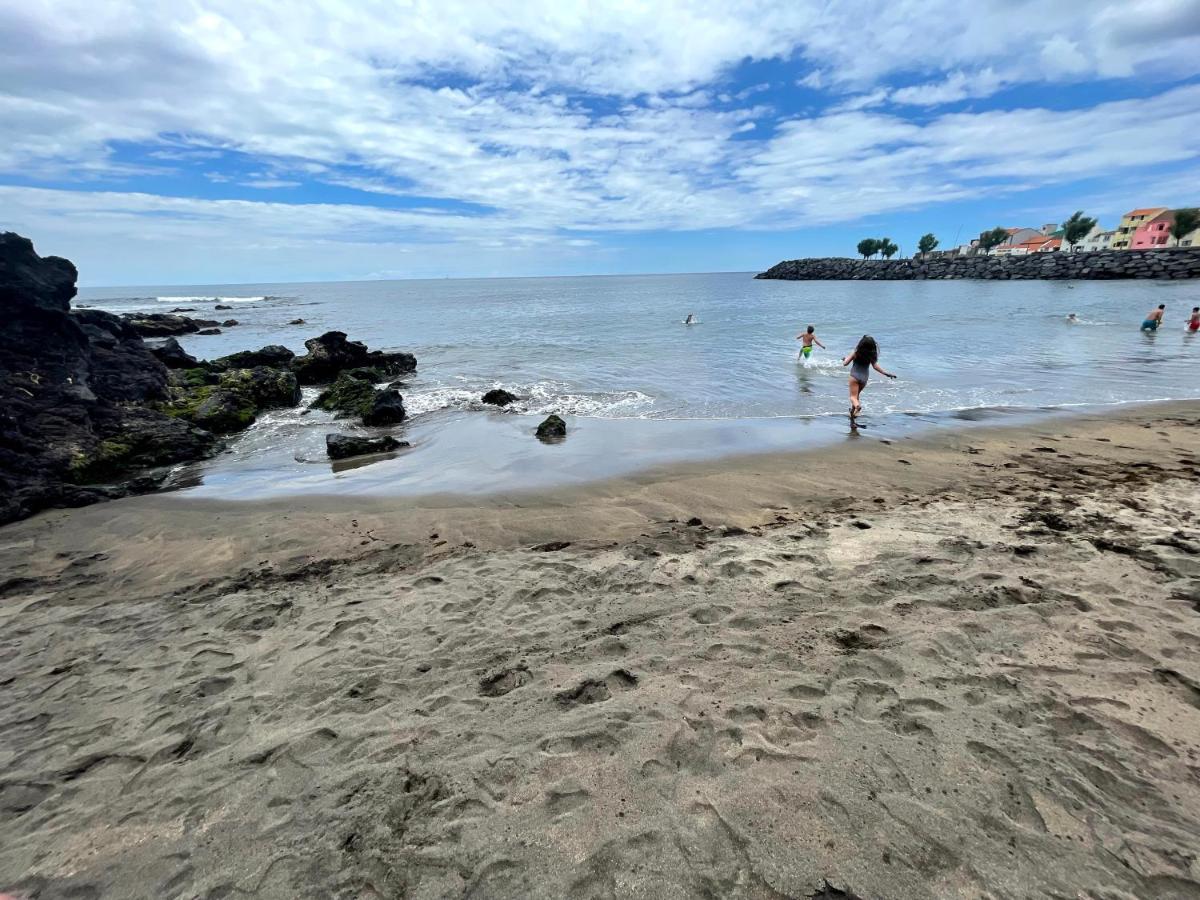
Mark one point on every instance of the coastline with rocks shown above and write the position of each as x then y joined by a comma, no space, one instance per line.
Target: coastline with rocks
90,411
1100,265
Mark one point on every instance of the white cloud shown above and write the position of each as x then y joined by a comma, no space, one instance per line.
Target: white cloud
532,122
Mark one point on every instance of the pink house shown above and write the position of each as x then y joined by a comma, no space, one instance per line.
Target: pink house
1154,232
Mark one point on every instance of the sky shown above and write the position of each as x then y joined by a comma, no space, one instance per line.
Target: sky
173,142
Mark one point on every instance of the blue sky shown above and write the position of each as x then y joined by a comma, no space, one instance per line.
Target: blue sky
215,142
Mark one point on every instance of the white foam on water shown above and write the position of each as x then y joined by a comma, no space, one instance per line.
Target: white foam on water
542,397
210,299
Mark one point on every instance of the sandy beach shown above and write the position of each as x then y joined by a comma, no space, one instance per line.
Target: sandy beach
966,665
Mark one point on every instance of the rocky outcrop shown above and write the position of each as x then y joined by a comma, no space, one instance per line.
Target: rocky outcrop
77,394
343,446
229,401
330,354
271,355
354,394
499,397
173,356
553,428
165,324
1181,262
89,411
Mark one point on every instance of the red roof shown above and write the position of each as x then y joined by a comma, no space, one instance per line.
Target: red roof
1147,211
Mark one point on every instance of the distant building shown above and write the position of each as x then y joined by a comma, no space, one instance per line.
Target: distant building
1152,233
1050,229
1040,244
1016,239
1097,239
1131,222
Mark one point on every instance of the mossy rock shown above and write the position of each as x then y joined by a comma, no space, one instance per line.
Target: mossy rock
193,378
109,458
224,411
350,395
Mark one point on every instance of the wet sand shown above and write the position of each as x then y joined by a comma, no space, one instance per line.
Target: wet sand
965,666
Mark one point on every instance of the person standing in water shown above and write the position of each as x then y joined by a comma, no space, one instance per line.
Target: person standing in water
1154,318
807,339
861,360
690,320
1194,322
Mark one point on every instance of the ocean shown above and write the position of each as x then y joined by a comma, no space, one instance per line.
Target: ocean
639,388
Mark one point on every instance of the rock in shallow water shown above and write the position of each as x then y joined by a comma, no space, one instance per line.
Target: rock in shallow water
343,446
354,394
552,429
330,354
499,397
165,324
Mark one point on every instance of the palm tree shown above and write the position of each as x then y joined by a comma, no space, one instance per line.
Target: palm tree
1076,228
1186,221
993,238
868,247
927,243
887,248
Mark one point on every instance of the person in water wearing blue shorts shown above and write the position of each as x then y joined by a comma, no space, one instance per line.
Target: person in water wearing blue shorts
1154,319
807,339
861,360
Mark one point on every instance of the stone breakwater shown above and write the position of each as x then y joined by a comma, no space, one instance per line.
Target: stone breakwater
1102,264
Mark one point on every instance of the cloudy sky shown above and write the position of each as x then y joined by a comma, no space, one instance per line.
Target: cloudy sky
222,140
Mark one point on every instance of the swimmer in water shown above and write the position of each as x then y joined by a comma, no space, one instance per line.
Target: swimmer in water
807,339
1154,318
1194,322
1072,318
690,320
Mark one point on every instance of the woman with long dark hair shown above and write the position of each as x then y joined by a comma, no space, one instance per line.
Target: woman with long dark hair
861,360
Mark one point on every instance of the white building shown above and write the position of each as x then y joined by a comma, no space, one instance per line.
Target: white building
1097,239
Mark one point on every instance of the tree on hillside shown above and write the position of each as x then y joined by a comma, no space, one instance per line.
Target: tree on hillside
868,247
927,243
887,248
1186,221
1076,228
993,238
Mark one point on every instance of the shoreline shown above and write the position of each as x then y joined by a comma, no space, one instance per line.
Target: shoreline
965,666
737,491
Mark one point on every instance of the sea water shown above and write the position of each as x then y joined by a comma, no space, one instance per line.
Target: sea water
639,388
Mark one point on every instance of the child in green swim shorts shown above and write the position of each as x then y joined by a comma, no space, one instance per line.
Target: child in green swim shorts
807,339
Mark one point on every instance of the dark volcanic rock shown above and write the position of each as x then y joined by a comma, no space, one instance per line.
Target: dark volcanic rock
343,446
331,354
209,331
499,397
171,355
222,306
348,396
271,355
297,322
28,281
354,394
387,408
165,324
229,323
70,389
552,429
233,402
